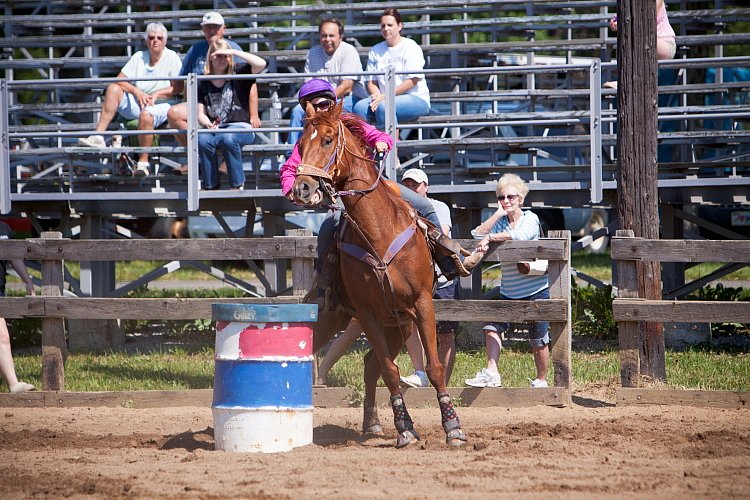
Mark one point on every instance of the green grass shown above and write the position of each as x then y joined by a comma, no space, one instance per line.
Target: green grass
178,369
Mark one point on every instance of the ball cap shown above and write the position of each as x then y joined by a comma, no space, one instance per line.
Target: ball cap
212,18
415,174
491,328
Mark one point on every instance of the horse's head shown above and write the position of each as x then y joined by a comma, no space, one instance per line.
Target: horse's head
321,171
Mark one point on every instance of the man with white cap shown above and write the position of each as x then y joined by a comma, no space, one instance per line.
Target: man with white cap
212,26
489,377
416,180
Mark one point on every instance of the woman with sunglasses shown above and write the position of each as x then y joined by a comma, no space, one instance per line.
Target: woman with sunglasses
147,101
510,222
226,104
322,96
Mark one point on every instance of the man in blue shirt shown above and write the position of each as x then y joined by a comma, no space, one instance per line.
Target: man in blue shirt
213,28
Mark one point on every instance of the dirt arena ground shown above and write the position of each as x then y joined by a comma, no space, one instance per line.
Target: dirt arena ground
591,450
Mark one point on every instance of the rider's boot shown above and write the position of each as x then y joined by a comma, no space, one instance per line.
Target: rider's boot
324,283
452,259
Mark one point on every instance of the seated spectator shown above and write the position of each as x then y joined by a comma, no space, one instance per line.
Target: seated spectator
146,100
489,377
412,94
229,104
665,37
333,55
213,28
7,368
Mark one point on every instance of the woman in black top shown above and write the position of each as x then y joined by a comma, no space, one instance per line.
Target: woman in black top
226,103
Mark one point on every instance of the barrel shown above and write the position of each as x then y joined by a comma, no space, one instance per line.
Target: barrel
262,399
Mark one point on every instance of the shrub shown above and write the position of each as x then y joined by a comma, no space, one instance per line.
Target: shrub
592,312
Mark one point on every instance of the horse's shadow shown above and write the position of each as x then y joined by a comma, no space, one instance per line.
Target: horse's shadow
191,441
328,435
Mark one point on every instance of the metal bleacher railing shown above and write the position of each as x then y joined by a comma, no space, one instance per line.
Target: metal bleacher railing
551,122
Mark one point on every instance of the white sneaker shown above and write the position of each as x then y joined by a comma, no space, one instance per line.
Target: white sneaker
416,379
485,378
536,383
142,169
92,141
21,387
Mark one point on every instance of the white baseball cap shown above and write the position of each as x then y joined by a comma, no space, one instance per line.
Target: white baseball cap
212,18
491,328
415,174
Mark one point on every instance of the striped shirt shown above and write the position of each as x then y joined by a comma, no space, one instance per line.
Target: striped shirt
513,284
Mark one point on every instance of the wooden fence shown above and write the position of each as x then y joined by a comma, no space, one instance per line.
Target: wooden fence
629,309
52,250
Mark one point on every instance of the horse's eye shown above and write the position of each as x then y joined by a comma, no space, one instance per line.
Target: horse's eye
328,141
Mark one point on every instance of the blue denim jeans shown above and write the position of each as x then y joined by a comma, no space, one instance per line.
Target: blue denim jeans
539,333
298,117
331,223
408,108
230,145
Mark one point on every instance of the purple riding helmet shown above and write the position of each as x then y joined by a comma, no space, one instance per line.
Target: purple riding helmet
316,88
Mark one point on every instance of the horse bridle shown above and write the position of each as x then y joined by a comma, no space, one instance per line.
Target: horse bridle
324,177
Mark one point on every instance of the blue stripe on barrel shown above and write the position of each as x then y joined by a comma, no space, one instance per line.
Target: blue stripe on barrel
254,384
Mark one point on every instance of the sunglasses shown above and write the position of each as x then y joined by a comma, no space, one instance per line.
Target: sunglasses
509,197
323,105
155,37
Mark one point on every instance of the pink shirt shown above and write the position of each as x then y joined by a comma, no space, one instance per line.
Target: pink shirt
288,171
663,28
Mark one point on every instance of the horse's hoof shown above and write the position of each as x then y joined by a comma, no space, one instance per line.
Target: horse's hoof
455,437
406,438
373,430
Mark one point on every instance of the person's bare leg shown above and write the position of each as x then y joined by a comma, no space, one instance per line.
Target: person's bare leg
145,122
493,346
541,360
112,98
415,350
7,368
338,348
447,353
177,118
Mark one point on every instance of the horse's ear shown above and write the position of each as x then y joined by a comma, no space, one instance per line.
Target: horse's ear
339,108
309,110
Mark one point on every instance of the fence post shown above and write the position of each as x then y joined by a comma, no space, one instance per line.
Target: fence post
303,269
627,331
561,332
54,349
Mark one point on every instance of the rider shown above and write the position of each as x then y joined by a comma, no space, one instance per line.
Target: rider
446,252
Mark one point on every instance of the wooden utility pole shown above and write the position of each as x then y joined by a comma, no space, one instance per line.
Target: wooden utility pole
637,189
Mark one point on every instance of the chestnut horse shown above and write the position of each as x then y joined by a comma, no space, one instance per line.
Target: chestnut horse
385,267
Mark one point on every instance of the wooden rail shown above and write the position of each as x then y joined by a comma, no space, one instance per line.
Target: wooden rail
53,308
629,309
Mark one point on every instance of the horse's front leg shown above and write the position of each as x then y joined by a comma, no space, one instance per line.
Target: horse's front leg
425,312
386,344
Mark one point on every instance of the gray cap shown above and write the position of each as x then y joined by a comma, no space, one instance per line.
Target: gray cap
491,328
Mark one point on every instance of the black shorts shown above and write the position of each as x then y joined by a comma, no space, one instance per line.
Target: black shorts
447,292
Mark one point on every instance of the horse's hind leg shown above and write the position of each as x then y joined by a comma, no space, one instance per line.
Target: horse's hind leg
371,421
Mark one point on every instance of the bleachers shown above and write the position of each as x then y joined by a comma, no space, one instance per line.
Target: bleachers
484,122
